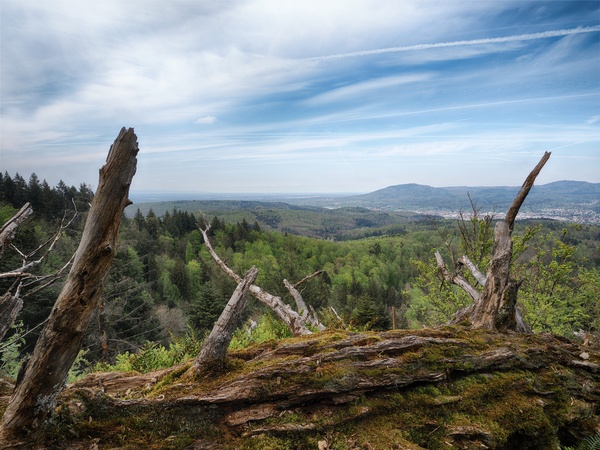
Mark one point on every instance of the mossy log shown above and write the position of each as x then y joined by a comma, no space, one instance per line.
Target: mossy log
439,388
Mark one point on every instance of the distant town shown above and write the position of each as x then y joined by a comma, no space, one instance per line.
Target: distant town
574,215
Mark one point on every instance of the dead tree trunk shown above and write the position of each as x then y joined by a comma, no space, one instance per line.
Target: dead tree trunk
10,305
495,308
214,349
8,230
308,315
11,302
291,318
45,374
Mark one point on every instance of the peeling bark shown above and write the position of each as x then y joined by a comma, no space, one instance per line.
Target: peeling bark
496,307
214,349
58,345
8,230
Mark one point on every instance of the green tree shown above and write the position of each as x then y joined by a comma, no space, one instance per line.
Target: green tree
370,314
431,301
588,293
179,277
205,308
549,294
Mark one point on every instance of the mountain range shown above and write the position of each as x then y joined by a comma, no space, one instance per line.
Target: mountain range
571,197
575,201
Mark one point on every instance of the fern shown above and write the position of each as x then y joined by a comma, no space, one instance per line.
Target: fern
590,443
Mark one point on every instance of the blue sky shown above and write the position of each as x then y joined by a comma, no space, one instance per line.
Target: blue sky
302,96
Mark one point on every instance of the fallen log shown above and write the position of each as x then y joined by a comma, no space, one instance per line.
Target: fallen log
401,389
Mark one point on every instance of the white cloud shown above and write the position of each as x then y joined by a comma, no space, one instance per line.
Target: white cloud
355,90
206,120
495,40
73,73
592,120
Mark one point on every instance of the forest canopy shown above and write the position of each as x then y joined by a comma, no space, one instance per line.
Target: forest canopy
164,285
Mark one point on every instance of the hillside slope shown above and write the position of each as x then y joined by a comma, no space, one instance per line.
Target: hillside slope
436,388
558,195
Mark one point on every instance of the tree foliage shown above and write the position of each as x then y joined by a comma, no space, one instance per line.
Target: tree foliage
164,284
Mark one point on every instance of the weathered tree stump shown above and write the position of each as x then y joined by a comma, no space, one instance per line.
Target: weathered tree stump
496,307
214,350
44,376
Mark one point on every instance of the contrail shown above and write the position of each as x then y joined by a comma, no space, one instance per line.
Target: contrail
459,107
496,40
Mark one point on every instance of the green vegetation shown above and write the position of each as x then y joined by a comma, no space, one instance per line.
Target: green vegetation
442,388
164,287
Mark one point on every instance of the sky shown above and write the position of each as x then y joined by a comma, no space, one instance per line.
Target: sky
328,96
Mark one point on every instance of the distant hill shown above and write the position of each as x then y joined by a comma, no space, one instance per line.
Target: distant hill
411,196
327,216
569,200
312,221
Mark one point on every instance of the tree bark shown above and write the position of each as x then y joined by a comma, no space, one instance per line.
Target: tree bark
8,230
10,305
291,318
214,349
309,316
496,307
45,374
346,385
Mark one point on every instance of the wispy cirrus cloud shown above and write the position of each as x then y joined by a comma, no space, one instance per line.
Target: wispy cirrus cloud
256,84
494,40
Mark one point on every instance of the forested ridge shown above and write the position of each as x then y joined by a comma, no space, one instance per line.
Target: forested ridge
164,291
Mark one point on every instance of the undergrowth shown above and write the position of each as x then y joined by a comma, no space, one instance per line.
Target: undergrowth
590,443
154,356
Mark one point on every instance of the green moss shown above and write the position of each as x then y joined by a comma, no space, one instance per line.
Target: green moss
498,408
134,427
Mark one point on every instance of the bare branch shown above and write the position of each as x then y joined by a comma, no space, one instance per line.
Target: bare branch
527,185
291,318
479,277
456,279
224,267
309,316
308,277
15,274
53,278
300,304
8,230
